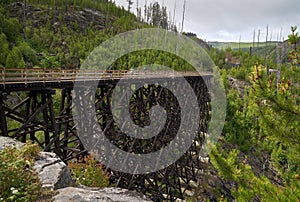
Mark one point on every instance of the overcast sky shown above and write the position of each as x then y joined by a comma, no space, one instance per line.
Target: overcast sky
227,20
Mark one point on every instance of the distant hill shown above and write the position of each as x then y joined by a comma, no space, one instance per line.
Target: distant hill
237,45
277,52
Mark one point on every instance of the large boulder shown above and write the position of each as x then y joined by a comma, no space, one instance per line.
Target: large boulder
9,142
86,194
53,172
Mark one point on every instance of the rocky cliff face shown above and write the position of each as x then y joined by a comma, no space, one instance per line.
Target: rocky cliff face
75,18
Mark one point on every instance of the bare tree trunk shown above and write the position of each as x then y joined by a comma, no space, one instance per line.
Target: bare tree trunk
67,4
145,12
252,48
267,35
258,35
183,15
253,38
266,46
240,42
24,18
174,13
138,11
280,35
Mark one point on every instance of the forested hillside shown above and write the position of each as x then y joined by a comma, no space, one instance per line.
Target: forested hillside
56,34
61,34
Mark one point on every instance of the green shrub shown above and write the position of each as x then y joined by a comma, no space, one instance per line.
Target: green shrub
18,181
88,172
4,48
50,62
28,53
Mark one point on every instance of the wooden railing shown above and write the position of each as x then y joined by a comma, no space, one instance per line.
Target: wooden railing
32,75
24,75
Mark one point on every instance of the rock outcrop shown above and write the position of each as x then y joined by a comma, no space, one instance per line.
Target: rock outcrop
238,85
98,195
53,172
9,142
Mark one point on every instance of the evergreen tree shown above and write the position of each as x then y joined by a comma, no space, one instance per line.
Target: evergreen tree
157,15
15,58
29,55
4,49
11,27
293,40
129,5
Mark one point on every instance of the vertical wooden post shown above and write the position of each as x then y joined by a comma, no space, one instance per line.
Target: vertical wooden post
26,79
54,125
62,108
3,77
64,117
34,104
3,123
46,118
27,111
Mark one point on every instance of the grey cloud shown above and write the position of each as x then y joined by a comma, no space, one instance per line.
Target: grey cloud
227,19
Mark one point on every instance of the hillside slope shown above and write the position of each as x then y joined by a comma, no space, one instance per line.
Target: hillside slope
61,34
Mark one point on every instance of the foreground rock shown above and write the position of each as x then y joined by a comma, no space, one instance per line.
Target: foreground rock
98,195
9,142
55,175
53,172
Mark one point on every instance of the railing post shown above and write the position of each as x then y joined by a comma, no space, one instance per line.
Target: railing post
3,76
22,75
59,75
73,75
44,75
38,74
25,74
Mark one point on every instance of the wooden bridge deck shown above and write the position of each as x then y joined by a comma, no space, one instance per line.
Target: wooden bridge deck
22,79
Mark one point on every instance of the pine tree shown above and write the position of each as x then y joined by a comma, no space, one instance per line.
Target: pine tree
129,5
3,48
293,40
14,58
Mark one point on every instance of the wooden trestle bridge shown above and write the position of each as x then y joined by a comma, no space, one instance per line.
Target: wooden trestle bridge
36,104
